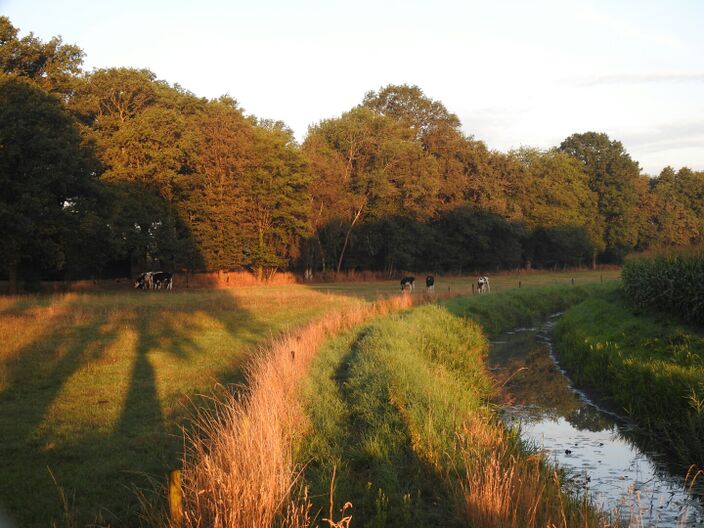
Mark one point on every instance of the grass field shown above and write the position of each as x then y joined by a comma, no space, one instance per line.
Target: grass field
94,386
463,285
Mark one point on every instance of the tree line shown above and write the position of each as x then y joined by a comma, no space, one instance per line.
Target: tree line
113,171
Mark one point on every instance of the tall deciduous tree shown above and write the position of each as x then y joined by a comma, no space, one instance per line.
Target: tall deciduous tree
613,177
45,170
558,195
678,212
277,204
147,142
215,201
413,109
378,170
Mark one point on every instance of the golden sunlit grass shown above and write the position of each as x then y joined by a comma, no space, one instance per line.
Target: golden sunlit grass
94,386
504,488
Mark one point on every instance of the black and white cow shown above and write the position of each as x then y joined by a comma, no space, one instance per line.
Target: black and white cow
163,280
430,283
145,281
408,284
154,280
483,284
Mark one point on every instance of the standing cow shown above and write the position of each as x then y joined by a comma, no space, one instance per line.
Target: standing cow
430,284
145,281
163,280
483,284
408,284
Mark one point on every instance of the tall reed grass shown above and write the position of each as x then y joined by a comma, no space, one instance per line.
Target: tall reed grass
238,466
505,488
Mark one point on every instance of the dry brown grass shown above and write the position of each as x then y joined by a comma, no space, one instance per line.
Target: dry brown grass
238,468
504,488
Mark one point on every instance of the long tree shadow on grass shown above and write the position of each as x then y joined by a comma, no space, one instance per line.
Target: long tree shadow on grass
97,396
378,472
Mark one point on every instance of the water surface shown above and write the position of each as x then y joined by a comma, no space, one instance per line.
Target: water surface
597,449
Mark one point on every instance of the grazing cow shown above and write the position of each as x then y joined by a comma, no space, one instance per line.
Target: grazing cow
163,280
408,284
145,281
430,283
483,284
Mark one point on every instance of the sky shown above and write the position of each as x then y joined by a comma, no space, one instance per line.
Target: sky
516,73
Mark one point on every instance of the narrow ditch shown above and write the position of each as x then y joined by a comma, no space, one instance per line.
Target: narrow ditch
600,452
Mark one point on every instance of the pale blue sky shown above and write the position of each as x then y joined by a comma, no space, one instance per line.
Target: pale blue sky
515,72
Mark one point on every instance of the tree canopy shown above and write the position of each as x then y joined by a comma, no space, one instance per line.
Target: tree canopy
114,171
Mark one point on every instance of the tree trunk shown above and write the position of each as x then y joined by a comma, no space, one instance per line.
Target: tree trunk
594,260
12,276
344,247
347,236
322,253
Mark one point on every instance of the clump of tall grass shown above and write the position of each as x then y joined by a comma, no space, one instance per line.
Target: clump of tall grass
238,466
506,488
668,282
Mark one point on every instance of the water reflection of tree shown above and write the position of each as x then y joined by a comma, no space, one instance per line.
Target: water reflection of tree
590,419
530,378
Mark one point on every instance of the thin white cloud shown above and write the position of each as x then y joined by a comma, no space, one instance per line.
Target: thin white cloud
638,78
667,135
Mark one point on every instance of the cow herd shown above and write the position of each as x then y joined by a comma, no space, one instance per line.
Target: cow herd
162,280
154,280
408,284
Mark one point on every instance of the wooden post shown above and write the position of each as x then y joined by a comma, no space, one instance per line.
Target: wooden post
602,278
519,284
572,281
472,288
175,496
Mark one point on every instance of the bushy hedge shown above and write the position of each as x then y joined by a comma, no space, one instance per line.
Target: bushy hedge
671,283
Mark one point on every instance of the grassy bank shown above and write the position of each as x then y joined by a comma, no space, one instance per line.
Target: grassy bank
496,313
400,416
649,366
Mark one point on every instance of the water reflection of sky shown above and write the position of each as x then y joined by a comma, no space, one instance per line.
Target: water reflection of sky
591,445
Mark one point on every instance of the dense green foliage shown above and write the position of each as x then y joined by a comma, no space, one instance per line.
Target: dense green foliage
159,177
47,179
672,283
650,367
